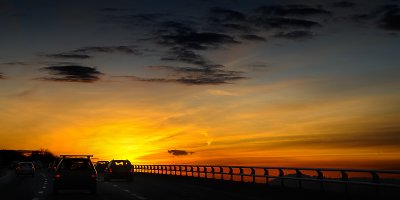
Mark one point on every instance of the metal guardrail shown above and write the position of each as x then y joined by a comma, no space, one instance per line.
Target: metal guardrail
268,174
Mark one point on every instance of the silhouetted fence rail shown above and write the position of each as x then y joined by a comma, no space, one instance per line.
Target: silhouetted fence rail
278,175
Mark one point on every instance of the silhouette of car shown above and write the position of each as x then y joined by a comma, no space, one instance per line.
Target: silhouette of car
119,169
101,165
25,168
75,172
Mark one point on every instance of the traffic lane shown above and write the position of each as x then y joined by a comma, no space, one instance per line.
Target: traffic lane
105,191
159,187
22,187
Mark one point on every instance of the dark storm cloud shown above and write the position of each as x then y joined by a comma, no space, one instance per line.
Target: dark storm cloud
147,20
291,10
2,76
174,27
344,4
211,75
285,23
226,15
196,40
17,63
108,49
252,37
185,55
391,20
69,56
179,152
236,27
72,73
295,35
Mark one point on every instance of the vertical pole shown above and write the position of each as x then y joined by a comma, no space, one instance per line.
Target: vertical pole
320,175
376,180
253,173
266,175
241,174
221,170
281,176
345,178
231,172
299,176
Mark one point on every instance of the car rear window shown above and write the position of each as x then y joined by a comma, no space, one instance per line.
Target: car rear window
121,163
26,164
75,165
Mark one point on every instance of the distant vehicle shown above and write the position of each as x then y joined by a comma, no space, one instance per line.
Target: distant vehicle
13,165
25,168
75,172
119,169
101,165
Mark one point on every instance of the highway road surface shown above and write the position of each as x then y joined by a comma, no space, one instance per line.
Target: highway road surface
148,187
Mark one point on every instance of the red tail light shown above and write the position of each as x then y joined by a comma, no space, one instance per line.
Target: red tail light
93,176
131,170
58,176
110,170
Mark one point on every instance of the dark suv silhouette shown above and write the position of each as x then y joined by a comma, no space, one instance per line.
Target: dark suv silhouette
119,169
75,172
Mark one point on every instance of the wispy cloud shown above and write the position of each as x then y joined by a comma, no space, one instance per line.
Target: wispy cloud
344,4
292,10
109,49
69,56
2,76
211,75
295,35
252,37
71,73
391,19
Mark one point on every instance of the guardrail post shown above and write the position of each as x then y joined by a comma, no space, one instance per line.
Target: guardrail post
281,176
221,171
345,178
205,172
213,172
241,174
198,171
186,170
320,176
376,180
253,173
266,175
299,175
231,172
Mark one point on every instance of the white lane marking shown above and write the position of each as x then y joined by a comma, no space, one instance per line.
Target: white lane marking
115,185
40,192
44,187
137,196
127,191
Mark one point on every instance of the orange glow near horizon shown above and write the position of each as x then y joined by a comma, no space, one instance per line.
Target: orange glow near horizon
218,126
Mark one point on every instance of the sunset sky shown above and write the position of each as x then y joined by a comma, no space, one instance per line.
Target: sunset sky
233,82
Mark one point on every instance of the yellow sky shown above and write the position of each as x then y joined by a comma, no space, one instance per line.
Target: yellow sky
278,124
